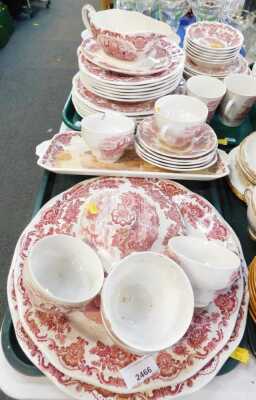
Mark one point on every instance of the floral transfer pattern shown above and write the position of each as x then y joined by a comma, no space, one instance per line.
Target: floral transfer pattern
85,358
82,390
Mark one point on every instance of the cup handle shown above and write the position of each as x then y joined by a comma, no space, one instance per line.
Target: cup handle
87,12
229,106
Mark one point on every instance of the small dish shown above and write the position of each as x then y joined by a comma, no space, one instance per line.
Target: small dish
209,265
176,117
64,270
108,135
147,302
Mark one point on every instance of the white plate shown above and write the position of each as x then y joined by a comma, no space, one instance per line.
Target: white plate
237,179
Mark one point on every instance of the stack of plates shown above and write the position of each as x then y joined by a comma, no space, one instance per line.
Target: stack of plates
247,159
105,83
212,48
87,102
200,154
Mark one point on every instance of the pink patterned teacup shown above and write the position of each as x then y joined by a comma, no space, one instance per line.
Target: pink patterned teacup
123,34
207,89
108,135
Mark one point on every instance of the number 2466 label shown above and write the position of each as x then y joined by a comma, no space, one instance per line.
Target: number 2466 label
136,373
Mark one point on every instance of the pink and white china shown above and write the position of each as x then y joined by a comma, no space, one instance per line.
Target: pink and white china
208,89
239,98
201,140
63,270
125,35
166,55
108,135
137,298
67,153
209,265
176,117
79,390
86,211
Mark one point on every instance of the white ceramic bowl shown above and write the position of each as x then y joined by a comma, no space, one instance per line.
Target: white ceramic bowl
123,34
108,135
147,302
176,115
209,265
207,89
64,270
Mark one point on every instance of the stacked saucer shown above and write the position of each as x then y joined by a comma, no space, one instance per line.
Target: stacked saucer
87,102
200,154
107,83
212,48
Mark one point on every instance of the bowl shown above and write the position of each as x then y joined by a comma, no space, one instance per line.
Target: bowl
176,117
147,303
125,35
64,271
108,135
209,265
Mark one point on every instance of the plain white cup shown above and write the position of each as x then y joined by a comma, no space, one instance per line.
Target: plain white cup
176,115
209,265
108,135
64,270
239,98
147,302
207,89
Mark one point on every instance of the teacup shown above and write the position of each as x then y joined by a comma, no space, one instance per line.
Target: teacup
209,265
239,98
64,271
108,135
136,300
207,89
123,34
176,117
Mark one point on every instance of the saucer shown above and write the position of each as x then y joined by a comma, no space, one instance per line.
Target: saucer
148,135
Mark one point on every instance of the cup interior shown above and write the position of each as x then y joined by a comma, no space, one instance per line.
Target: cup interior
210,254
206,87
181,108
65,269
137,298
241,84
110,122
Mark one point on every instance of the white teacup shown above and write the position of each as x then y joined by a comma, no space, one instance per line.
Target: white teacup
209,265
240,97
108,135
176,116
65,271
207,89
147,303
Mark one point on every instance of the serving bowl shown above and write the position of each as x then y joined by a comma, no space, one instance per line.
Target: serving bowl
65,271
177,116
108,135
123,34
147,303
209,265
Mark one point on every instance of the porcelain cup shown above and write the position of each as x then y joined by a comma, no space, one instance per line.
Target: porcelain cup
108,135
250,198
125,35
64,271
239,98
147,303
209,265
177,116
207,89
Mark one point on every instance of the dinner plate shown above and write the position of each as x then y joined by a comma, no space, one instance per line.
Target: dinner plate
169,209
206,141
166,55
